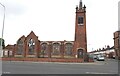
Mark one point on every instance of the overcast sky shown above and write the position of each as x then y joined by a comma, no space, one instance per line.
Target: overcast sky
54,20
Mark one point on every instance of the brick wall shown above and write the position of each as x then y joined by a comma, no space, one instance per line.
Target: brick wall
46,59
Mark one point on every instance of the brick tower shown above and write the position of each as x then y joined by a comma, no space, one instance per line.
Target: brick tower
80,44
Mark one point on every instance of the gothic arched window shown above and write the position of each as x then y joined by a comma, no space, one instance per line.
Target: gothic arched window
31,45
20,47
68,48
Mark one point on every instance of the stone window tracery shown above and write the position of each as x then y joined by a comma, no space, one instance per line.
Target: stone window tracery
31,45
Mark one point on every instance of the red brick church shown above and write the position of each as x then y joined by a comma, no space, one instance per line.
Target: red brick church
31,47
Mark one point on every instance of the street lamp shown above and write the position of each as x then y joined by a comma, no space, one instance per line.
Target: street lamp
1,48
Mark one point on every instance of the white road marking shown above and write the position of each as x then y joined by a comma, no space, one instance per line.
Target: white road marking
6,72
96,73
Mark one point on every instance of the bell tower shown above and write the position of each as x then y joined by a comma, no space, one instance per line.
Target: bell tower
80,41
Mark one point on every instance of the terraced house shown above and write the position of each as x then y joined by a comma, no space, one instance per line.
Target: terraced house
117,44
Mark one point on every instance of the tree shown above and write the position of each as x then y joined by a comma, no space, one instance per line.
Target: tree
3,43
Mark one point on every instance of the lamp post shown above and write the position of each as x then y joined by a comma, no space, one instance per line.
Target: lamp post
1,47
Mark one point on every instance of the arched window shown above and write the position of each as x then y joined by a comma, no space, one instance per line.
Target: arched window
20,47
68,49
56,49
31,45
44,49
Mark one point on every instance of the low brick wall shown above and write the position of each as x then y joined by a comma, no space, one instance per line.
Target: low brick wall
46,59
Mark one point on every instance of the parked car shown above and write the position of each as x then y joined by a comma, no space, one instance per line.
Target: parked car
95,56
100,58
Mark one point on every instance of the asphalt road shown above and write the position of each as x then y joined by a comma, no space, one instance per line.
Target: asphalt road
98,67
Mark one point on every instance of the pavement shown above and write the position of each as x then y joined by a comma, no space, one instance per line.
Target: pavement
85,63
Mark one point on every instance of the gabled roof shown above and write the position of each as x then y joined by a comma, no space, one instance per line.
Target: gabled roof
31,35
21,37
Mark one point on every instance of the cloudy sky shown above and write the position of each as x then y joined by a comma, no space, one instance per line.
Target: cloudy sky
54,20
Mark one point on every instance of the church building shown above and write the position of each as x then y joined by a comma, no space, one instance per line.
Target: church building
31,47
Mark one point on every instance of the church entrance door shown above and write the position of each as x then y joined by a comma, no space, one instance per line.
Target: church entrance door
80,53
